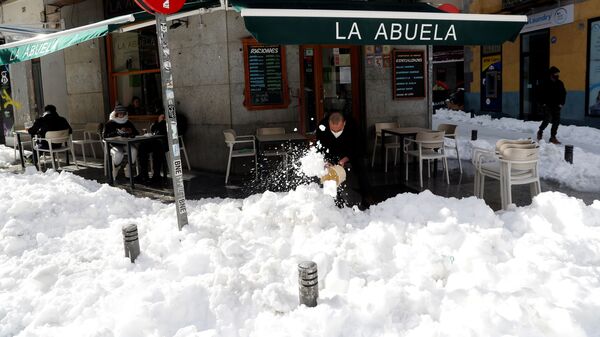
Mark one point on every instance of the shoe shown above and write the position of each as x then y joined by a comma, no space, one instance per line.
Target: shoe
553,140
539,135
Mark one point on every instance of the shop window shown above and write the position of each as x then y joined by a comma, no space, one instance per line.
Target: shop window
134,71
265,76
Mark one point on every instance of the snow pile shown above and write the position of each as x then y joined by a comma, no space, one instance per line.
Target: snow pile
6,156
415,265
582,175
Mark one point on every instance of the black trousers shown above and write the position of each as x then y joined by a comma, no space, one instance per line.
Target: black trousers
158,157
356,187
551,115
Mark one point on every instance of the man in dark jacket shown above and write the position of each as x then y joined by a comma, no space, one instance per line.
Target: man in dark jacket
340,144
552,97
50,121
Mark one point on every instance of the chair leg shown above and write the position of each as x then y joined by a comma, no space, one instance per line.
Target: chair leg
74,159
395,156
184,151
386,159
428,168
421,172
373,155
255,166
458,157
476,184
446,169
93,151
228,167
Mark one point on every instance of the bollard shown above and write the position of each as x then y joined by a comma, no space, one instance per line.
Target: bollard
472,113
308,283
131,242
569,153
473,134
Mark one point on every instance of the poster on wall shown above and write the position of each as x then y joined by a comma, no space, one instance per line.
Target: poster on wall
593,99
491,82
408,74
6,103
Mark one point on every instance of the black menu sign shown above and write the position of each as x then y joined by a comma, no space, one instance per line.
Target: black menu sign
265,75
408,74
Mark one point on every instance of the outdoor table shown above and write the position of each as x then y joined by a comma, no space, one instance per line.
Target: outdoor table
19,133
127,142
401,133
281,139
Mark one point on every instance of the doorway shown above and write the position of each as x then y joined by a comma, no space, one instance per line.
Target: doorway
535,61
329,81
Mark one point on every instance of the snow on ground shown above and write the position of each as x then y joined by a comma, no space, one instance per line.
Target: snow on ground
6,156
415,265
582,175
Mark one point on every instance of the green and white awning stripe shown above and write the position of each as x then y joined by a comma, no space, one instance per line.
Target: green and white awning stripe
308,26
28,49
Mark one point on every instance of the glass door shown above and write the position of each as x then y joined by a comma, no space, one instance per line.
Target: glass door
535,59
330,83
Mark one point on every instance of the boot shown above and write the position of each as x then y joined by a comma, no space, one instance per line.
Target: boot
553,140
539,135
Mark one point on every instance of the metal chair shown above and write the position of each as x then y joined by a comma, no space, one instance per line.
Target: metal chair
451,134
89,131
231,140
388,145
430,146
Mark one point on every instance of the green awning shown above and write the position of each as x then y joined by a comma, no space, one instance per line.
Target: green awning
366,27
39,46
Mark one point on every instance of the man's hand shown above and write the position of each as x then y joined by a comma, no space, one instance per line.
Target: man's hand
343,161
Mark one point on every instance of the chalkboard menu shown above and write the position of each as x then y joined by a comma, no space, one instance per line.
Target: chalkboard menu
408,74
266,86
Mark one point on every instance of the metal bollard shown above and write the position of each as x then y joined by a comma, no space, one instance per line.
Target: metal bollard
472,113
473,134
308,283
131,242
569,153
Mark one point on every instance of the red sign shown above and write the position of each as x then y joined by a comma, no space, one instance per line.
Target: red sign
160,6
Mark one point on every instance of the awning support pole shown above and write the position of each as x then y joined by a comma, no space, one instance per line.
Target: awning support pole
174,156
430,85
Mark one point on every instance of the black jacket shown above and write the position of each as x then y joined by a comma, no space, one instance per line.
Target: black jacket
49,122
114,129
552,93
346,145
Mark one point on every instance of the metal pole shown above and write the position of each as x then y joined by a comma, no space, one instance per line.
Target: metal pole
308,283
569,153
430,85
174,156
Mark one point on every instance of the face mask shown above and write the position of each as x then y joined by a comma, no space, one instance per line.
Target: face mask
555,77
337,134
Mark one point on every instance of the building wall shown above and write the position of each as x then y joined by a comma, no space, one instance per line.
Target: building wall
22,12
568,53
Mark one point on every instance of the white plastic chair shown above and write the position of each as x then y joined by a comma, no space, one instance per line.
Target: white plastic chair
451,134
55,137
91,136
430,146
512,163
231,140
15,143
395,145
184,152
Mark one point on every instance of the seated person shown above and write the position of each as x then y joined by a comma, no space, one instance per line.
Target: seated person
119,125
135,108
50,121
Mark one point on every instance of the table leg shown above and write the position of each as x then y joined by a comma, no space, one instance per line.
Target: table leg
402,154
382,153
129,159
109,165
21,149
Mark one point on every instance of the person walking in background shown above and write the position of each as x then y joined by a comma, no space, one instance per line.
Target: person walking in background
552,98
50,121
119,125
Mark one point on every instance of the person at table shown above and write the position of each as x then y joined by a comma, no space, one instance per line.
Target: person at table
50,121
340,144
119,125
135,108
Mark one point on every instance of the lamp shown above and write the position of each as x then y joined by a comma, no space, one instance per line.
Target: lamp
177,23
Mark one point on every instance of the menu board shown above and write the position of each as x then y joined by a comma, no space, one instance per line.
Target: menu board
265,78
408,74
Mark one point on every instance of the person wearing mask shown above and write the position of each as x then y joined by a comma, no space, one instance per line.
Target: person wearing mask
552,98
339,142
120,126
50,121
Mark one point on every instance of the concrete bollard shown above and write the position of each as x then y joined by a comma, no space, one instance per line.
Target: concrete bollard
473,134
308,283
569,153
131,242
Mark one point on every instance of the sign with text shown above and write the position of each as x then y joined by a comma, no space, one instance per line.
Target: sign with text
550,18
408,74
266,86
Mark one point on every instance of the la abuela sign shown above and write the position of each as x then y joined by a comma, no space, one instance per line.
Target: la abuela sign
398,31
